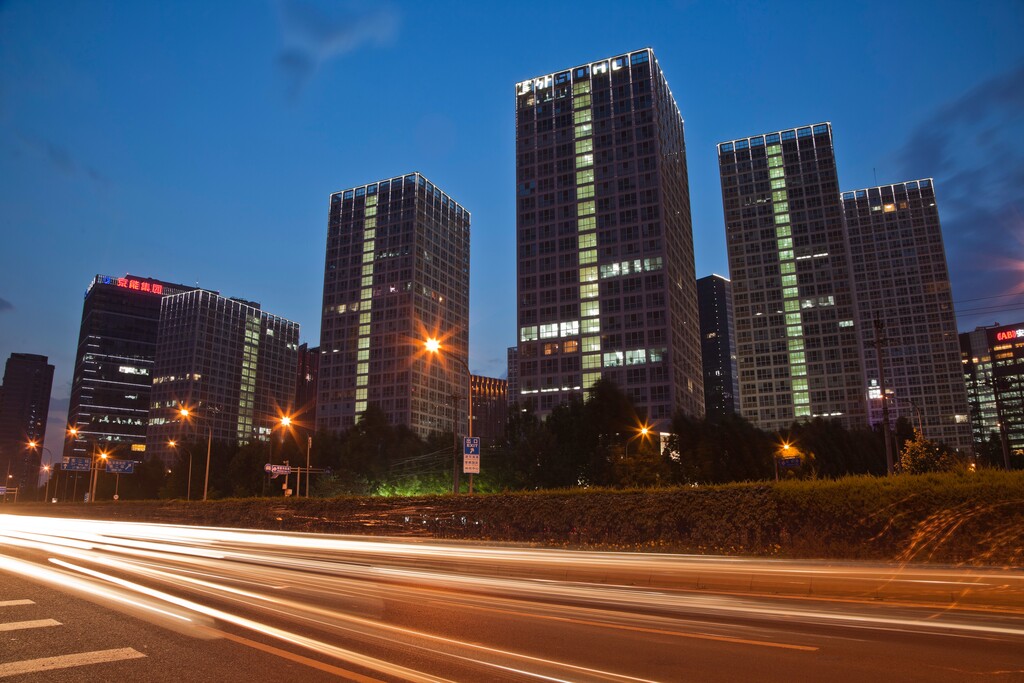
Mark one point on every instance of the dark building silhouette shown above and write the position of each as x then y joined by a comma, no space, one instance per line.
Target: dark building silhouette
114,362
24,406
396,273
307,375
490,408
513,376
606,280
718,346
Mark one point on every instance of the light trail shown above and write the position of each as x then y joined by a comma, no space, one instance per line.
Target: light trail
314,592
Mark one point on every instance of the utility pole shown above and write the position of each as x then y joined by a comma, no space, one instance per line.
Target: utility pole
878,343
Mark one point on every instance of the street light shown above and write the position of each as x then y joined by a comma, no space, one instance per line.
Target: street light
433,345
785,453
174,444
187,414
95,474
286,422
46,468
642,433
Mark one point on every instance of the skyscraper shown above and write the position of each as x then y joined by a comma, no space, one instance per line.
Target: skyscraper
796,321
904,299
718,346
606,279
396,272
24,406
228,361
490,408
306,379
114,361
512,360
994,371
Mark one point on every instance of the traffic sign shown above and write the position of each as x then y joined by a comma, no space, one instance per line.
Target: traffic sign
121,466
790,463
277,469
3,490
77,464
471,455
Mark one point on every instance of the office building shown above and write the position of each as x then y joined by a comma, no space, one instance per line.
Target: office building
797,344
718,347
993,362
396,273
230,363
24,406
490,408
606,280
905,302
114,362
512,359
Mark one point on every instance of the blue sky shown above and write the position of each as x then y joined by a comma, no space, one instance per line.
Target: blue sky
197,142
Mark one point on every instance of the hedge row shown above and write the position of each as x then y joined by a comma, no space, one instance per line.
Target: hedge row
972,518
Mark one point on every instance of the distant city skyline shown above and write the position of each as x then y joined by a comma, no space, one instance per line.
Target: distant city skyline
200,144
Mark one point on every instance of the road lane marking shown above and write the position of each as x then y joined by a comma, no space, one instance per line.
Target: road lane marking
29,666
37,623
658,631
13,603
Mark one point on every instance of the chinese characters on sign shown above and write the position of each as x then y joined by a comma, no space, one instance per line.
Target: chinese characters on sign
134,284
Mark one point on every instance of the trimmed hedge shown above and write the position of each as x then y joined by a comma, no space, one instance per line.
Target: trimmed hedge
969,518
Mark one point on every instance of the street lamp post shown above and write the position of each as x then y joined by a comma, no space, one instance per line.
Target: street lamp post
174,444
46,468
186,413
95,473
434,346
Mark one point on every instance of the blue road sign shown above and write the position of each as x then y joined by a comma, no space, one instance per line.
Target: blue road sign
77,464
790,463
121,466
471,455
3,490
277,469
471,445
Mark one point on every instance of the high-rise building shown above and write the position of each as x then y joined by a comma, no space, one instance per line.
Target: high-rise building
976,359
24,406
513,376
797,343
226,360
994,372
490,408
905,302
606,280
718,347
114,361
396,273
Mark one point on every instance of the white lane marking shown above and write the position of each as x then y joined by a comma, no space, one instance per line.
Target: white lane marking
28,666
38,623
14,603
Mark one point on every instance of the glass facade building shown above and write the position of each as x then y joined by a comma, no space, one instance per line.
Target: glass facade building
718,347
902,282
993,363
797,343
606,279
396,272
226,360
114,362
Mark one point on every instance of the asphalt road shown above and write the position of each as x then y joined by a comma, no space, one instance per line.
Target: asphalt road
165,603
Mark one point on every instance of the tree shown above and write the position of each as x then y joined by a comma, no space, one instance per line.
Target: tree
922,455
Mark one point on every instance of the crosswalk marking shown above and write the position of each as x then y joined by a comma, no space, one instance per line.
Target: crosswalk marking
14,603
37,623
66,661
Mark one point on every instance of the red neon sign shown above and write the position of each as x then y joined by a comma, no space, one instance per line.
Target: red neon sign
140,285
1006,335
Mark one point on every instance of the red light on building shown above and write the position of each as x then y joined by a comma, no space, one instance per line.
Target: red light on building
140,285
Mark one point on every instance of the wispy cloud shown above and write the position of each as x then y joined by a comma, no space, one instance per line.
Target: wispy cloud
970,145
5,305
315,32
61,159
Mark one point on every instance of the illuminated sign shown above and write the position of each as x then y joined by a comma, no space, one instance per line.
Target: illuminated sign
1006,335
133,284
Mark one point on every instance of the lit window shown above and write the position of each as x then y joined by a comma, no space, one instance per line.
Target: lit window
569,329
613,359
591,344
585,224
549,331
779,184
588,291
589,309
528,333
584,192
776,173
585,177
585,208
581,116
584,130
589,256
584,160
584,146
588,274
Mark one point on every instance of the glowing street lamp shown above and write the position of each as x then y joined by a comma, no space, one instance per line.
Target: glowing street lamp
174,444
188,414
433,345
33,444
